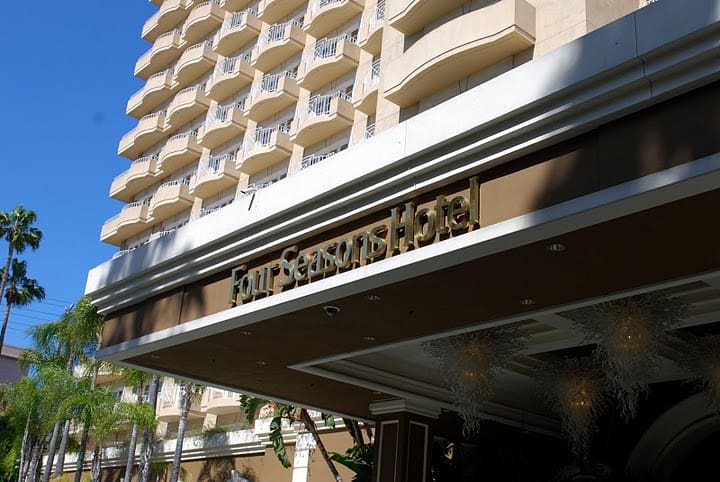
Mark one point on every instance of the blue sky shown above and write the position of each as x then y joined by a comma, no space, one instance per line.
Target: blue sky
66,78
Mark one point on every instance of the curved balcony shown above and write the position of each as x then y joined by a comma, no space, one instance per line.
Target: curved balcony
222,403
233,5
170,15
157,89
171,198
271,94
231,74
371,29
330,58
365,95
132,219
266,147
216,175
277,43
203,18
187,105
458,48
313,159
270,11
140,175
238,29
148,131
195,61
179,151
171,413
325,15
164,50
322,117
225,123
410,16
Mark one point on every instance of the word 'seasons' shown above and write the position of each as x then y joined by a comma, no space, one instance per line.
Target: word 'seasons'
409,228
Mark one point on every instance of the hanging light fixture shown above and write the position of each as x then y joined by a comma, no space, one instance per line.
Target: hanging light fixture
470,364
629,333
574,388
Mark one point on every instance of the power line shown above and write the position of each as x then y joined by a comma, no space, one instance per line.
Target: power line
23,308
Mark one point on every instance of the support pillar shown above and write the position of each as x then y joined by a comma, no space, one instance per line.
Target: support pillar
403,440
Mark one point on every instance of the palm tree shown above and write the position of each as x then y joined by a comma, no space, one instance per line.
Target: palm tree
190,392
146,452
16,228
136,379
21,290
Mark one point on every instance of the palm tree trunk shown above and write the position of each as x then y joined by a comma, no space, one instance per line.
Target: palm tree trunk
3,283
51,452
147,442
6,317
34,469
310,425
184,412
24,449
96,466
60,465
84,436
131,454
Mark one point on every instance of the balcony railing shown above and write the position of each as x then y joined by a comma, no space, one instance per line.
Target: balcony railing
236,19
263,136
370,131
270,82
276,33
308,161
176,182
320,105
327,47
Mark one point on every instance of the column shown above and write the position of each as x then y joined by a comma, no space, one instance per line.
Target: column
403,440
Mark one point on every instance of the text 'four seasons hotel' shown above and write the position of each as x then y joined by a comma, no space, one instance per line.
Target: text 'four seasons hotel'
487,227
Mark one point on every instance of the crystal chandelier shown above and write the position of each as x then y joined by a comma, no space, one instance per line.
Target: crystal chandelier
629,333
470,364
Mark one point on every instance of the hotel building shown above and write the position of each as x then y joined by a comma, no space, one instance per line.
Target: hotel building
317,189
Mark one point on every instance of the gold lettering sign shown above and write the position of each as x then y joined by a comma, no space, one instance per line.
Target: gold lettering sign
410,227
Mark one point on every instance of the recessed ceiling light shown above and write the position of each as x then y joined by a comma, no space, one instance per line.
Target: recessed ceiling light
331,310
246,332
373,297
377,393
369,338
261,363
155,356
527,302
556,247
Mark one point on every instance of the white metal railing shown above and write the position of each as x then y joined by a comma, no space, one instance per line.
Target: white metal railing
318,4
313,159
327,47
236,19
176,182
161,234
152,115
222,112
276,32
166,35
370,131
271,82
134,204
183,135
207,43
372,76
263,136
320,105
144,160
377,16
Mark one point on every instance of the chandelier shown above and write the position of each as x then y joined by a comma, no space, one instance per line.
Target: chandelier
629,333
470,365
575,390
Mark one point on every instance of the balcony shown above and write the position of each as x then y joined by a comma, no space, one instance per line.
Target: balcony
371,28
164,50
170,199
231,74
277,43
308,161
329,59
170,14
326,15
365,95
203,19
133,219
194,62
148,131
322,117
459,48
411,16
179,151
157,89
224,123
168,409
271,94
270,11
233,5
216,175
266,147
221,402
139,176
188,104
237,30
